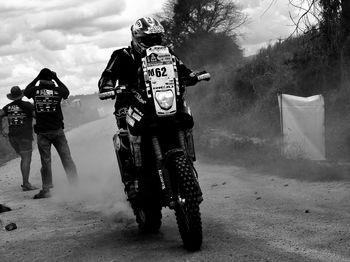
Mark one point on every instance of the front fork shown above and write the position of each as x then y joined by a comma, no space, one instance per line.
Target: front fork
135,142
163,174
166,188
186,142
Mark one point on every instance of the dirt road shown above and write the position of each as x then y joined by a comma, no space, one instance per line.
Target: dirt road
246,216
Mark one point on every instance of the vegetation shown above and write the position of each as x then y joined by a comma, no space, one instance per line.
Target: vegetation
242,96
203,34
315,62
203,31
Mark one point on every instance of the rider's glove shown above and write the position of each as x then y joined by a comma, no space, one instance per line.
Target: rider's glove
107,92
193,79
203,75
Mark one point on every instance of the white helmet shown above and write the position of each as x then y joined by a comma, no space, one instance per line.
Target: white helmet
146,32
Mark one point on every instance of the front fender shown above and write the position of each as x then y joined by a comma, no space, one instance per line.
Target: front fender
170,154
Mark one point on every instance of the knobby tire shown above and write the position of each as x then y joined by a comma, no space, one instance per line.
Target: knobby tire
188,215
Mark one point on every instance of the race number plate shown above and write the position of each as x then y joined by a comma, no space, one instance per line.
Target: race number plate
161,72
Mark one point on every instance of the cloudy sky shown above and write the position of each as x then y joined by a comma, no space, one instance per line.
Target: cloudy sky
75,38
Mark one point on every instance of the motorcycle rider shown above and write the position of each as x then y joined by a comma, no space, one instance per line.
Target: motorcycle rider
123,69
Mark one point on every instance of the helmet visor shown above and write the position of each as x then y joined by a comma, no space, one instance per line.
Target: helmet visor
151,40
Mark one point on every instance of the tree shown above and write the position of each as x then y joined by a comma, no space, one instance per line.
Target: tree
332,31
186,17
195,28
332,20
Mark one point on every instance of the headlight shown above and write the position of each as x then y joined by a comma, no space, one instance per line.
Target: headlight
165,99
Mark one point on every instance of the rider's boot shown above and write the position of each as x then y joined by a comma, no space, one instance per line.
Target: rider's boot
126,167
131,189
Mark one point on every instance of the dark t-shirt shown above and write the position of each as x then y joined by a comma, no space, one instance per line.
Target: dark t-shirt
20,119
47,102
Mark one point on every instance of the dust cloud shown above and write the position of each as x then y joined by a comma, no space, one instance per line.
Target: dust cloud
100,188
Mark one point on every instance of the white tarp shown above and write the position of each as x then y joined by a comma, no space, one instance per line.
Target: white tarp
303,129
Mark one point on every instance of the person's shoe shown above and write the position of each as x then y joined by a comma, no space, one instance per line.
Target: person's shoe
42,194
28,187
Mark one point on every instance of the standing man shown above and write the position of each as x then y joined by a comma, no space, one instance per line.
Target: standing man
20,120
49,126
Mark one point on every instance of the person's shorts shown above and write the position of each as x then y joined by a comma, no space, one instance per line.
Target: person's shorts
21,145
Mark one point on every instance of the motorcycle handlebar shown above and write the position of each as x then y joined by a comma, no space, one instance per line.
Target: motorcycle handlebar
195,78
202,76
113,92
107,95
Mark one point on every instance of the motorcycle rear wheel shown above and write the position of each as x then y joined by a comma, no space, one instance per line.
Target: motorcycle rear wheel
149,219
148,210
187,214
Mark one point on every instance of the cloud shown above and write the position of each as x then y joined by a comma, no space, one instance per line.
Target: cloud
10,9
250,3
52,40
6,35
114,39
17,46
5,72
73,18
76,38
111,23
269,21
66,36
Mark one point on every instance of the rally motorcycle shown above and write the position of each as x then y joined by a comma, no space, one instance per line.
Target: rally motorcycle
159,124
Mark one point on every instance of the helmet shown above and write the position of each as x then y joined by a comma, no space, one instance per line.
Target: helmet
146,32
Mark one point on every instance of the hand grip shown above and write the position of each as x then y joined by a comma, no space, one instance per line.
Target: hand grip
205,76
107,95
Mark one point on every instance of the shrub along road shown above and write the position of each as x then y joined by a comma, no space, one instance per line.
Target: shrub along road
246,216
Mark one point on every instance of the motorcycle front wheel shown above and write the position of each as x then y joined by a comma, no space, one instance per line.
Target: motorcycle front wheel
187,211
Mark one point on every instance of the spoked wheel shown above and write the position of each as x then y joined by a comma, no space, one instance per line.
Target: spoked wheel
187,212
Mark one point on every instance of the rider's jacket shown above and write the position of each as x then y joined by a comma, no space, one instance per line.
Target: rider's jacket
124,66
